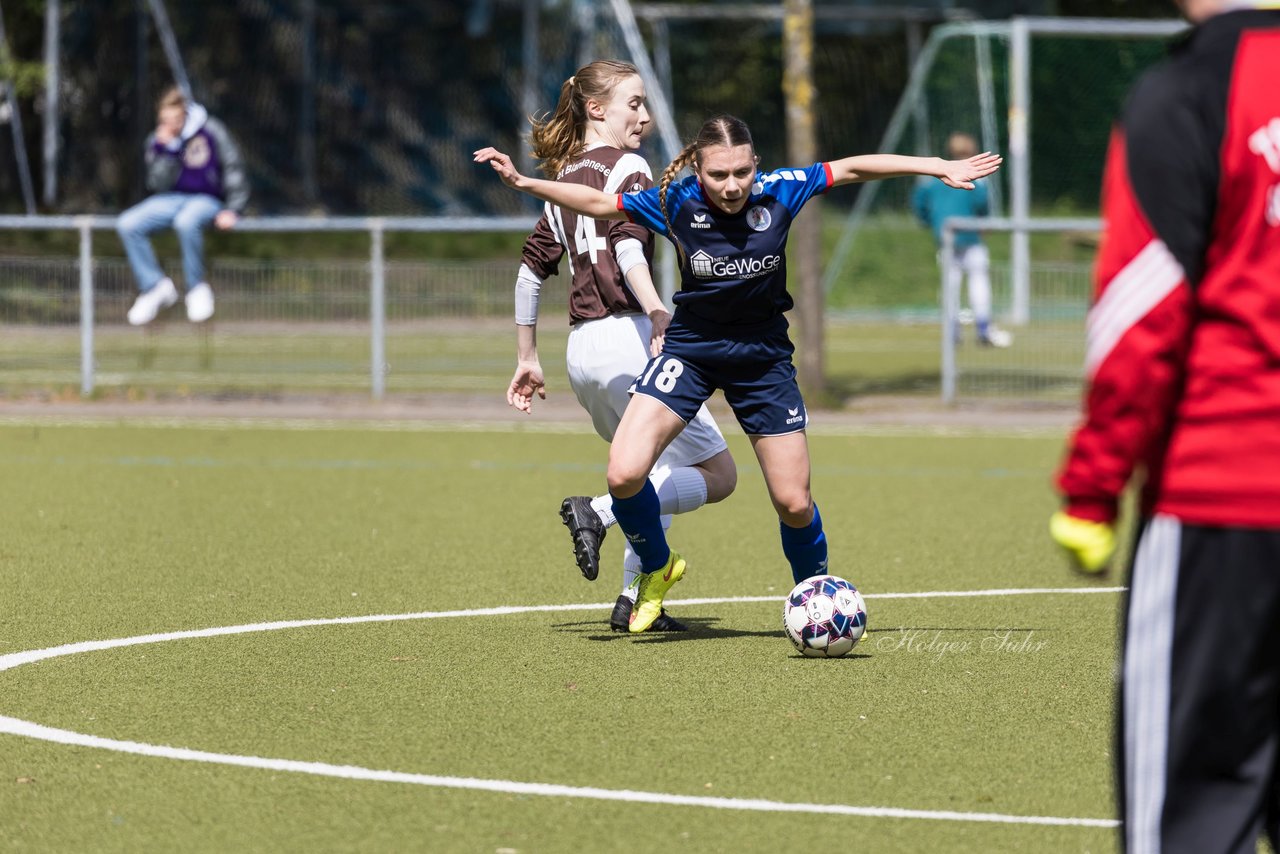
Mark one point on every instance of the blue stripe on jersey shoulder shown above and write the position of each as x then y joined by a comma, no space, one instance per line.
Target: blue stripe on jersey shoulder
790,187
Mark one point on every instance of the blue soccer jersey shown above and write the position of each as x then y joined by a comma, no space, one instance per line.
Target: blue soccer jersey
734,269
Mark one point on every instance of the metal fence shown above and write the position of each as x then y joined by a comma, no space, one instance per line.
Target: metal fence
325,324
1046,360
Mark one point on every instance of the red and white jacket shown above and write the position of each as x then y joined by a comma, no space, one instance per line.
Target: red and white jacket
1183,356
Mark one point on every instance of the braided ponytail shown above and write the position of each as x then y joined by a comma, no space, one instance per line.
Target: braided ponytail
683,159
723,129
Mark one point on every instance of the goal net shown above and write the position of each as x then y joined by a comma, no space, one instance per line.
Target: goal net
1046,98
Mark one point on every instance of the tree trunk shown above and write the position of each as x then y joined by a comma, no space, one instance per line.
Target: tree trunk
805,246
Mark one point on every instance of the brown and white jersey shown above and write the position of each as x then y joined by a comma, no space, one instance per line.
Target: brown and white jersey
588,246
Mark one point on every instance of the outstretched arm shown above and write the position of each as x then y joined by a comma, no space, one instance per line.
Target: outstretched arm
954,173
578,198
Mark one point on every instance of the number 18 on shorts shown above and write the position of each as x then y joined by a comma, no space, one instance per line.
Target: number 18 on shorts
765,397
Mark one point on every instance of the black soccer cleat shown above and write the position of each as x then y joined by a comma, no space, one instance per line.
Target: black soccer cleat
620,619
667,623
587,531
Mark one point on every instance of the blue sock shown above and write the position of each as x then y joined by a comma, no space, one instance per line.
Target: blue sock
805,548
984,329
640,518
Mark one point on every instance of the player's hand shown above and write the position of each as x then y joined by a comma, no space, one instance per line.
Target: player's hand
226,219
961,174
526,382
501,164
660,319
1089,545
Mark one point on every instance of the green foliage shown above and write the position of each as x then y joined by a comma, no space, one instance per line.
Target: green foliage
1074,79
1116,8
27,77
894,261
401,92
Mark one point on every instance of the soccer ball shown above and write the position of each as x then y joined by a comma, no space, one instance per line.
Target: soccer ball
824,616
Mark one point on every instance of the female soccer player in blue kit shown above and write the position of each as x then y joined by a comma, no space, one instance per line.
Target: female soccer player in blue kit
618,319
729,222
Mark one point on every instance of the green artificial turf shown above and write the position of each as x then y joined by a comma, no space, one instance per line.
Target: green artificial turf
992,704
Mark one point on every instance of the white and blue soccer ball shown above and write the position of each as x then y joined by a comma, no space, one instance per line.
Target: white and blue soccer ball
824,616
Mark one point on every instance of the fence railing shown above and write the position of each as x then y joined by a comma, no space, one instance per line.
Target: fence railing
375,227
378,326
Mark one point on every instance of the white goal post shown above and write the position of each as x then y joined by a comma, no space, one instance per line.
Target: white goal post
1018,39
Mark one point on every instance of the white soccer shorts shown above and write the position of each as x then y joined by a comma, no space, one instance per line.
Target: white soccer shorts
604,358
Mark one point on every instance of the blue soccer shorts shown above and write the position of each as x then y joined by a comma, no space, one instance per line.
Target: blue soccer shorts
755,373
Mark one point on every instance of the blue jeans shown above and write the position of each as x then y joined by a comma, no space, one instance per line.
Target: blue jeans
187,213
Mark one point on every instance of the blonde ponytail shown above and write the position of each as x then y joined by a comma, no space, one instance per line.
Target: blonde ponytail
559,137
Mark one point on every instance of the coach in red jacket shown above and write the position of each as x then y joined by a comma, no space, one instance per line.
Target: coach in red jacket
1183,369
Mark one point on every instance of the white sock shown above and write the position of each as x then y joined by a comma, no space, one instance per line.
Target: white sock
630,571
680,489
603,505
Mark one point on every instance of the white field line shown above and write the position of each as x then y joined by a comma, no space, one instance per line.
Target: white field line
30,729
17,659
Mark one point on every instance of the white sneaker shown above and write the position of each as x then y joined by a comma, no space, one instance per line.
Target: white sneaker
149,303
997,338
200,303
